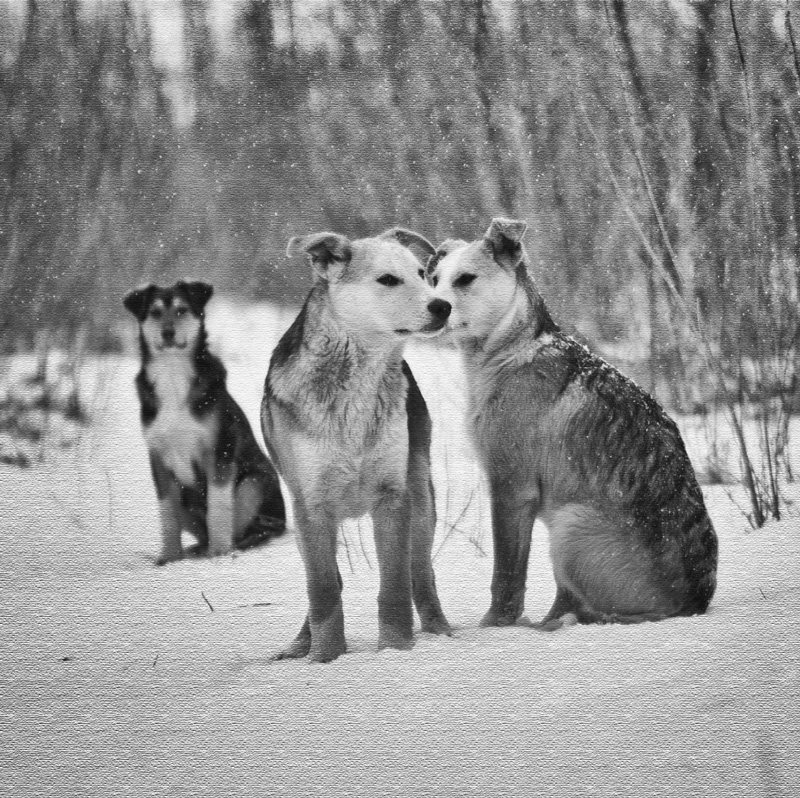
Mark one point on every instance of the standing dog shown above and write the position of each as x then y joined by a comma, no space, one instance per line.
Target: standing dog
564,436
211,477
349,431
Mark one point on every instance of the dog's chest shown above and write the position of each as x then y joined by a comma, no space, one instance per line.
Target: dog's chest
178,437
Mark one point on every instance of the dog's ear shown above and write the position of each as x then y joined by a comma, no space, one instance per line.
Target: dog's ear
505,237
138,300
197,295
323,250
444,249
421,248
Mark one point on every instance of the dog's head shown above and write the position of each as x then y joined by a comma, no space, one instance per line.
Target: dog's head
479,279
170,318
377,285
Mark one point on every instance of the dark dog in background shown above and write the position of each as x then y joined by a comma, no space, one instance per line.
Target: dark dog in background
212,479
564,436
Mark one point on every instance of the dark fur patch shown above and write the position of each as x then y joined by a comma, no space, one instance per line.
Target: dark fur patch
625,445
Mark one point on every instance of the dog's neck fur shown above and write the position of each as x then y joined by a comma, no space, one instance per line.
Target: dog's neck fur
519,332
328,374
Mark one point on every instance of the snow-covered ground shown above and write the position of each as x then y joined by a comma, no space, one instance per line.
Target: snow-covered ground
117,678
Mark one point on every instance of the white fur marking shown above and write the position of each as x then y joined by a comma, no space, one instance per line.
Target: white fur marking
178,437
220,519
171,548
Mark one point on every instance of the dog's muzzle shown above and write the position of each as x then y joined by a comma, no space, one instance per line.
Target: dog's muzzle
440,310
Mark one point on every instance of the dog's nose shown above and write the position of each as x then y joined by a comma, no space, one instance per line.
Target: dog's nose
439,308
168,334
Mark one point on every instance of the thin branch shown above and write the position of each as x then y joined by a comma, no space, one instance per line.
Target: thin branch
792,43
452,527
693,323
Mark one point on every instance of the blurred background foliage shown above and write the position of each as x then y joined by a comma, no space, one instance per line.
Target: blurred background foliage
652,147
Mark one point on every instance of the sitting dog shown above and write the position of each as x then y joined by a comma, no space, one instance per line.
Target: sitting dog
349,431
562,435
211,477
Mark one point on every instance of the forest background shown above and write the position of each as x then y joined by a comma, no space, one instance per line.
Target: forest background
652,148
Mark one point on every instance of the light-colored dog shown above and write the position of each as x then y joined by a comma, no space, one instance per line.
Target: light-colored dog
564,436
211,478
349,432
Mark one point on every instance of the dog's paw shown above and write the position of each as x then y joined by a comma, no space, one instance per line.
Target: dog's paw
297,649
168,557
326,653
493,618
437,626
554,624
393,638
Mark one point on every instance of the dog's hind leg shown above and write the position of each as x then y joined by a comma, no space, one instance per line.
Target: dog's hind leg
253,523
391,523
566,609
423,580
512,523
609,570
423,512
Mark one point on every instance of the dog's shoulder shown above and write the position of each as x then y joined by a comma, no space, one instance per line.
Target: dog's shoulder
290,365
639,442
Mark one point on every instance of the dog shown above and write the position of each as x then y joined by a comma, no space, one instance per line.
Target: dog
211,478
349,432
562,435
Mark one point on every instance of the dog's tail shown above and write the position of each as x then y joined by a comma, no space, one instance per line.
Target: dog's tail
700,555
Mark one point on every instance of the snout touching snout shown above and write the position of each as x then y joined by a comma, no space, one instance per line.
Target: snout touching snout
440,310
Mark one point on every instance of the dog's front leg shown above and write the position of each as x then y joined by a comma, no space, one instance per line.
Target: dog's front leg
513,514
168,495
322,635
220,517
392,529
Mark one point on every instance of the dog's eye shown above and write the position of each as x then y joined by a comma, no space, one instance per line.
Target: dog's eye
463,280
155,313
389,280
421,273
180,311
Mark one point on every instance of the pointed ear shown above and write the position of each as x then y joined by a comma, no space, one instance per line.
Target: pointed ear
197,295
323,250
138,300
421,248
505,238
444,249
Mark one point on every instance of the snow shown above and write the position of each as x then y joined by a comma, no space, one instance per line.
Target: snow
121,678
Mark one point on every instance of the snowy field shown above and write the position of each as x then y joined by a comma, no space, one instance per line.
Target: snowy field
121,678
